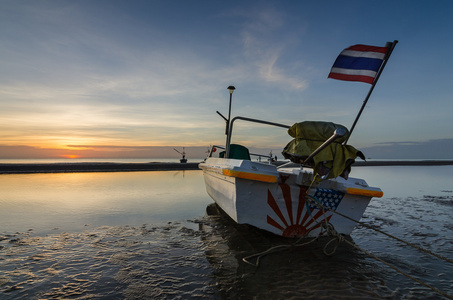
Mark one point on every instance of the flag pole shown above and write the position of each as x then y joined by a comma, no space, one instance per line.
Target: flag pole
391,46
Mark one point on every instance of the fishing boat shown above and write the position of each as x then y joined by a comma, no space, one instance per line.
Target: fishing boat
289,200
317,193
183,159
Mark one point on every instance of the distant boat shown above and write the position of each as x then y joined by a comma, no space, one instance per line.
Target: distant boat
183,160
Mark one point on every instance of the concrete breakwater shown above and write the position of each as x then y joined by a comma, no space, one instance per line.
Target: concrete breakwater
94,167
21,168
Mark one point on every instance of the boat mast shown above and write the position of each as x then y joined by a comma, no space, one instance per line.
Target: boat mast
227,121
183,153
227,131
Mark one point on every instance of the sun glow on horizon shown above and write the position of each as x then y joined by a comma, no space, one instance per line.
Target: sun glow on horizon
70,156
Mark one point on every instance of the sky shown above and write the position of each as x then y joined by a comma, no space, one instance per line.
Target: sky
130,78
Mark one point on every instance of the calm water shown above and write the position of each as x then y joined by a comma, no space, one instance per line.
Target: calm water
146,235
95,160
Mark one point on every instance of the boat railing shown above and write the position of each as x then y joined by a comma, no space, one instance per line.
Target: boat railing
339,132
268,157
214,149
230,130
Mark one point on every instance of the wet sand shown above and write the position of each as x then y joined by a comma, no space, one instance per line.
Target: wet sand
155,235
202,259
166,166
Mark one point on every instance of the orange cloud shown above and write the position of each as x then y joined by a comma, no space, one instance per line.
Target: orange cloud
98,151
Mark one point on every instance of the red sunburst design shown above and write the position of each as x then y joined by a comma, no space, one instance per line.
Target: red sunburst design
302,225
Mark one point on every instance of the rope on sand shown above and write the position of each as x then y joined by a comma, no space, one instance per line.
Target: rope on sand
334,233
258,256
329,230
382,232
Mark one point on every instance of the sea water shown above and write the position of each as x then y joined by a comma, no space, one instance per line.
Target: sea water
95,160
147,235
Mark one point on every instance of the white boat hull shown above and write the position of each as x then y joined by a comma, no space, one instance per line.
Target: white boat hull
283,201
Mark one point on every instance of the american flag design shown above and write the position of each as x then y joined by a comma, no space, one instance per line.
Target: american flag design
328,198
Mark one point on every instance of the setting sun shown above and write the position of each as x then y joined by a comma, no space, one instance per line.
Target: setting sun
71,156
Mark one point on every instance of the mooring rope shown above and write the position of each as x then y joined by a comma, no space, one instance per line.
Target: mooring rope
382,232
337,237
275,249
401,272
341,238
330,230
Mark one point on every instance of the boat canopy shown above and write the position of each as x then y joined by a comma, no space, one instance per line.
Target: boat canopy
237,152
335,160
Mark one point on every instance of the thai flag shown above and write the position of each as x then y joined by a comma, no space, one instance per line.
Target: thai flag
358,63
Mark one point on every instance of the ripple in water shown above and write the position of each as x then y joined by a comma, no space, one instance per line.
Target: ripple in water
199,259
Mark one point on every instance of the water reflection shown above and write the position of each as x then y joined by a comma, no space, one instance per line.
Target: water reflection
69,201
102,247
296,272
408,181
201,259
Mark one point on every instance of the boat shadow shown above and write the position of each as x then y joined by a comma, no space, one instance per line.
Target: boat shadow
290,271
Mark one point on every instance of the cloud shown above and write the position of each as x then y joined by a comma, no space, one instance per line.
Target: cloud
91,73
100,151
265,39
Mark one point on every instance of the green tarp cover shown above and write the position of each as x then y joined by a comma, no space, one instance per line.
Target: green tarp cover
237,152
335,160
